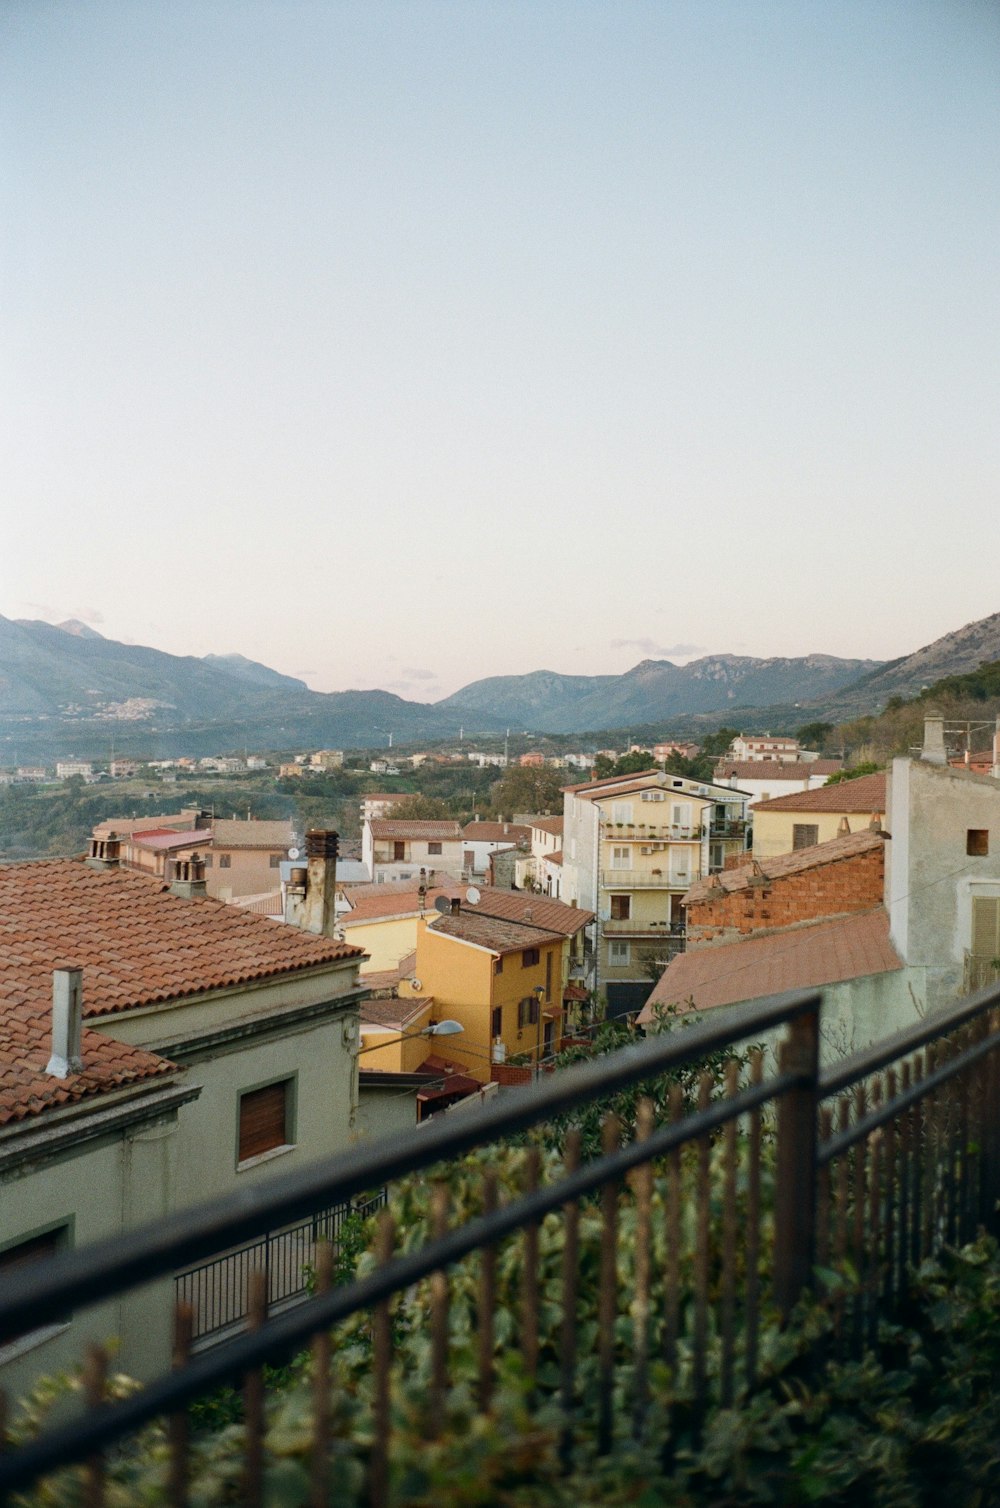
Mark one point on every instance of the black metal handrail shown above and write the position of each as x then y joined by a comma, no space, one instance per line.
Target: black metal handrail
107,1267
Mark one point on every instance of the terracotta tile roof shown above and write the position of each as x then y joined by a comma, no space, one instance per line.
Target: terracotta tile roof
866,794
395,1013
136,943
531,910
553,825
850,947
164,840
555,857
388,827
389,979
356,890
26,1045
493,933
774,769
817,855
253,834
496,832
406,902
608,781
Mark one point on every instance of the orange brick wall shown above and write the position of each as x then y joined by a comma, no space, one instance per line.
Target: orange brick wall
853,884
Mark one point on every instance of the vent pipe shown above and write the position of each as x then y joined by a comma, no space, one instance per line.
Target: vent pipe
67,1023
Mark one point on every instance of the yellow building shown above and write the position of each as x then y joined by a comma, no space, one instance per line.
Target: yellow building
502,980
799,821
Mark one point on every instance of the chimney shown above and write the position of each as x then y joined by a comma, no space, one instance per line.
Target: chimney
319,913
933,749
189,883
67,1022
843,828
456,906
105,853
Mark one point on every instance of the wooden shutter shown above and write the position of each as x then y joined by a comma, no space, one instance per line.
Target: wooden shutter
986,926
263,1120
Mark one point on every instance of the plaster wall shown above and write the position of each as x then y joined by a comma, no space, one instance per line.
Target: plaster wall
773,831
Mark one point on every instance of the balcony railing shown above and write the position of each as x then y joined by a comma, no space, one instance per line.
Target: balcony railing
649,879
735,828
635,832
867,1168
981,972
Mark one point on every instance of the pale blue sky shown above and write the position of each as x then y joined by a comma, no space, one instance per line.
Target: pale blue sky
404,343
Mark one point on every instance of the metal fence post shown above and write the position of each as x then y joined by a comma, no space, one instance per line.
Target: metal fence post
795,1195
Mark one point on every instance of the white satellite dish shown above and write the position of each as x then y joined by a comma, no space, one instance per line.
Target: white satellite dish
416,984
472,896
293,853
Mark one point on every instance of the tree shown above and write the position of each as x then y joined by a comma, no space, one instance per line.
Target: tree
528,788
814,735
422,809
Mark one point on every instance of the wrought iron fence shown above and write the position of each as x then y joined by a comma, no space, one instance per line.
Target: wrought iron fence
659,1253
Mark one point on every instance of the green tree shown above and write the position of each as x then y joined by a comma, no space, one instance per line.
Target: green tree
814,735
422,809
528,788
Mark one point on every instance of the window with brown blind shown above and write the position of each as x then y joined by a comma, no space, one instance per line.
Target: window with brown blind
804,835
265,1119
24,1255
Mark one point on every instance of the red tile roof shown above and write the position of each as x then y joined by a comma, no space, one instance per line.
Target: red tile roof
814,857
493,933
608,781
162,839
531,910
369,908
395,1013
850,947
136,943
389,827
26,1046
552,825
496,832
866,794
774,769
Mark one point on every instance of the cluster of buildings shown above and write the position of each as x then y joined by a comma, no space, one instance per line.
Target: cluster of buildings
202,1003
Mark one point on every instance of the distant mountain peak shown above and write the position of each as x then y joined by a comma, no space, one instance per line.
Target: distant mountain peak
78,629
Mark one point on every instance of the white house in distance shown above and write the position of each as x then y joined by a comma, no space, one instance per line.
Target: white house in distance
481,839
394,849
765,779
157,1049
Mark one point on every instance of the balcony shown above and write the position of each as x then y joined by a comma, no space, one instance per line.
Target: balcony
650,832
730,829
650,879
635,926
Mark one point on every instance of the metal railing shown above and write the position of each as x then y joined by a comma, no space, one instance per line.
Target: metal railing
734,1188
218,1292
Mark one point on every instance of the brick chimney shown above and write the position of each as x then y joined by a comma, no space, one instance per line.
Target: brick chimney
67,1023
189,883
319,910
105,853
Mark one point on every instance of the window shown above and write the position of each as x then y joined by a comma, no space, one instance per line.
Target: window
621,811
25,1253
275,861
496,1021
265,1120
986,926
804,834
398,852
621,858
527,1011
433,848
977,842
619,953
208,860
225,861
621,908
680,814
530,957
548,975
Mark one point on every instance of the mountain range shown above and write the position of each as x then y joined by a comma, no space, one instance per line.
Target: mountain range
66,689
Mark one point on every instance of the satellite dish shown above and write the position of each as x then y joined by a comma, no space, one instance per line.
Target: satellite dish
443,904
416,983
294,853
472,896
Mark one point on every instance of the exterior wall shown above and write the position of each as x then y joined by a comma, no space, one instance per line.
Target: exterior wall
773,831
250,871
386,1112
481,852
931,880
386,939
853,884
99,1188
462,979
766,789
400,1053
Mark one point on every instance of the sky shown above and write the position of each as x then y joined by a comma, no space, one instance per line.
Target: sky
401,344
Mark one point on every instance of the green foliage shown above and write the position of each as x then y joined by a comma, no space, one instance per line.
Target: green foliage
423,809
528,788
866,767
814,735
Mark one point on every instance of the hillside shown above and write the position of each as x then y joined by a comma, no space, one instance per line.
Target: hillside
655,690
956,653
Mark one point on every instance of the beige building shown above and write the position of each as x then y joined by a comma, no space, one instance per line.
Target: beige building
804,818
242,858
393,849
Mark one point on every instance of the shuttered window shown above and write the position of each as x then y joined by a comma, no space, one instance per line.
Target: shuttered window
804,835
986,926
264,1119
26,1254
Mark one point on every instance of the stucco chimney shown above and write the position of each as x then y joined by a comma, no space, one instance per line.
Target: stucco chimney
933,751
319,913
67,1023
189,883
105,853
